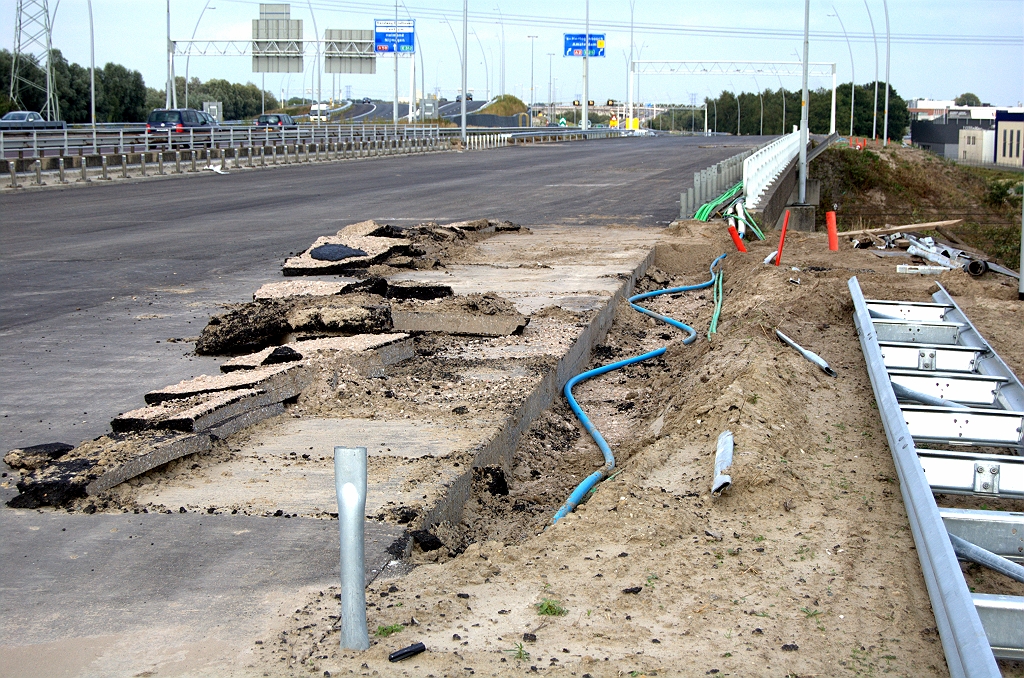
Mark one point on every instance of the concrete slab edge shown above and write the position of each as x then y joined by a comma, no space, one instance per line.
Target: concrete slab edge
501,448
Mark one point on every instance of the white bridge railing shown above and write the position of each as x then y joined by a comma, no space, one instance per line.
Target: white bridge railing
763,166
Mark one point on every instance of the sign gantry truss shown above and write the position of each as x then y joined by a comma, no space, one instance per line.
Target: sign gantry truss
755,68
780,68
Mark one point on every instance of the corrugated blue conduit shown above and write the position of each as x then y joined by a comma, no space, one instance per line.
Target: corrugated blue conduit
594,478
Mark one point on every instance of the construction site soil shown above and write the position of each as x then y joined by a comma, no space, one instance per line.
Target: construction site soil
806,566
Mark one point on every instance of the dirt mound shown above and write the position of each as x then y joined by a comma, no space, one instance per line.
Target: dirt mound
907,185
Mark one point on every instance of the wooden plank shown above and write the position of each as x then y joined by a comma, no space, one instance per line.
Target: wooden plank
928,226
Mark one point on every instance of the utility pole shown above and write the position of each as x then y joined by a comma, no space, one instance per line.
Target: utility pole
802,196
533,39
465,54
885,128
585,122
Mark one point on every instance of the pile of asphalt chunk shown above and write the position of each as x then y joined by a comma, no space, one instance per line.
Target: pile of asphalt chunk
372,306
356,246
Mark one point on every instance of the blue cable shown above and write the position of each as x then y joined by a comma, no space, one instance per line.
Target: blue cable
609,459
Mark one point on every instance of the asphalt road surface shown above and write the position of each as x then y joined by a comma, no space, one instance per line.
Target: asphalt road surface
97,279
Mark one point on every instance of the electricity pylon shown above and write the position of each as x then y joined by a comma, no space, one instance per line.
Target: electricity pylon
32,44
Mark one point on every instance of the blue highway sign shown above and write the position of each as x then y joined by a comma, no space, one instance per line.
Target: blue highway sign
576,42
390,36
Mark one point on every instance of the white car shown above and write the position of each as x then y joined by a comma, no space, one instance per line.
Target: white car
22,116
319,112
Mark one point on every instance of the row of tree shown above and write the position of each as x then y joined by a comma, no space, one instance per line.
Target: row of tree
121,94
776,111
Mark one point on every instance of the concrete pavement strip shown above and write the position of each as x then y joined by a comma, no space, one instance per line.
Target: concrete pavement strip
420,467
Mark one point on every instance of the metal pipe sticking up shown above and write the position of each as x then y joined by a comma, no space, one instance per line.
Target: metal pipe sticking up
350,479
723,460
813,357
905,393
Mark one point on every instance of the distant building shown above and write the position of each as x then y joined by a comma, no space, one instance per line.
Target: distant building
939,128
941,136
1008,129
977,145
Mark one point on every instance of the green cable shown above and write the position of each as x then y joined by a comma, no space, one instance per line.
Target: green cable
749,219
719,294
709,208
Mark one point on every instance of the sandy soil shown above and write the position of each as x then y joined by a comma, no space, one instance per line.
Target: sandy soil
805,567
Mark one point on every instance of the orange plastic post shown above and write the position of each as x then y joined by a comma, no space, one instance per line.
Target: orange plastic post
782,237
833,232
736,240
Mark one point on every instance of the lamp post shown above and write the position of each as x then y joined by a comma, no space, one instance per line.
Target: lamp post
501,20
629,64
533,39
465,41
487,77
319,77
802,195
783,88
761,97
874,109
551,96
885,127
585,122
853,74
92,73
189,57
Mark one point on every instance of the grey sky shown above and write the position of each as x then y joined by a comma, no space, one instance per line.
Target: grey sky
939,49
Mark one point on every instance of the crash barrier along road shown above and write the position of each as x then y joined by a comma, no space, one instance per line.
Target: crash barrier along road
939,384
75,156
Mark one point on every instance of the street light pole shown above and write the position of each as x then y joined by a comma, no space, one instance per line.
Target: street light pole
319,78
189,57
802,196
465,53
501,20
629,67
585,122
874,109
853,73
533,39
551,96
92,72
885,128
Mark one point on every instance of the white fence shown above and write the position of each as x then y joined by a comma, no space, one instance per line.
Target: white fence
763,166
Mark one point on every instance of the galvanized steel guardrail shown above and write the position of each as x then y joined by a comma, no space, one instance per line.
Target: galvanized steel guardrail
764,165
113,139
963,637
86,140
